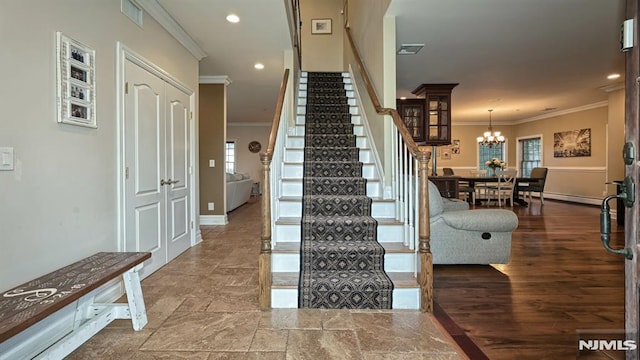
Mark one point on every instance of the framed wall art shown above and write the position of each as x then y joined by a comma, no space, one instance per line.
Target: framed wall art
76,83
572,143
321,26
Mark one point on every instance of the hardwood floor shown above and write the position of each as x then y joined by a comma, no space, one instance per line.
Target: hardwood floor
560,280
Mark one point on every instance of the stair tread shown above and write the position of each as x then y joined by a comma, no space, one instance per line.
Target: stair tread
294,247
299,198
291,220
290,280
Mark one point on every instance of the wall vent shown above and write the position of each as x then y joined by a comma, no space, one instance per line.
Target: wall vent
132,10
409,49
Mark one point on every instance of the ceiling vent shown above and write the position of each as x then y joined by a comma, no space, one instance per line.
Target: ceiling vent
409,49
132,10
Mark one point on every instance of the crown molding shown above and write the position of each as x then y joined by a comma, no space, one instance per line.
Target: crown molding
218,79
612,87
541,117
564,112
156,11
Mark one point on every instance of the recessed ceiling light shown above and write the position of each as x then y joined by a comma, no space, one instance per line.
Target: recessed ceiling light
613,76
259,66
233,18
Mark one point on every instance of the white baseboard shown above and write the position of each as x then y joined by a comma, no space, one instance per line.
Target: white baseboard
213,220
572,198
198,238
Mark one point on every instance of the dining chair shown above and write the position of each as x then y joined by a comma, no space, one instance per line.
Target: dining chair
539,173
479,189
447,171
505,186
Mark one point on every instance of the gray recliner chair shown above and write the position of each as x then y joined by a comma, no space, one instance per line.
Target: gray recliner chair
461,236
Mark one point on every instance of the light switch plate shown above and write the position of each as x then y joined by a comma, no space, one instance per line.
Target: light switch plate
6,158
212,163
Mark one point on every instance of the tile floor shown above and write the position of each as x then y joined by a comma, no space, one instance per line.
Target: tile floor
204,305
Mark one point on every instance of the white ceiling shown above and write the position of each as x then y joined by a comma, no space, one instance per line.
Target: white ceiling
518,57
262,35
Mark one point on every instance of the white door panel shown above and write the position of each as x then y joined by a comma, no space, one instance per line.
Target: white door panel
144,152
157,150
178,144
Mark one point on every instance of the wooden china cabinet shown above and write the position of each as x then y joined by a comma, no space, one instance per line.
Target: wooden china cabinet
428,118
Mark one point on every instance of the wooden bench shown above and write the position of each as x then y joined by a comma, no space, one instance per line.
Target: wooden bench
29,303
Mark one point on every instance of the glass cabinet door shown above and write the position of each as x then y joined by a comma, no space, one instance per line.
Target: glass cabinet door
437,98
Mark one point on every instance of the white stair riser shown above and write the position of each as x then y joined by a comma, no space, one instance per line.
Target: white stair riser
403,298
294,188
284,298
379,209
299,130
289,262
295,170
386,233
297,155
406,298
393,262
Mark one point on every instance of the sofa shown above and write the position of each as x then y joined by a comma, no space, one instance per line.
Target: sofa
463,236
238,190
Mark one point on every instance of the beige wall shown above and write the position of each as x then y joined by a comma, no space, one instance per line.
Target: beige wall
365,18
61,202
577,178
212,147
322,52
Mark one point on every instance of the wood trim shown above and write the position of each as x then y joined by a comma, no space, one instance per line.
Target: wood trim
264,271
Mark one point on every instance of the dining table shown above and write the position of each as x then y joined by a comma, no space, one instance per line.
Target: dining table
473,180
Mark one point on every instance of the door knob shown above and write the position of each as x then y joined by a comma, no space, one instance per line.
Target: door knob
168,182
627,195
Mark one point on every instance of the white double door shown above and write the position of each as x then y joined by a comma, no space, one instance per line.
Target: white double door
157,174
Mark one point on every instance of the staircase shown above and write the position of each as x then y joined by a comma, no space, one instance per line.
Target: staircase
318,123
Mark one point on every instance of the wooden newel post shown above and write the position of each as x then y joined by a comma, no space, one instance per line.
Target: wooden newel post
425,279
264,261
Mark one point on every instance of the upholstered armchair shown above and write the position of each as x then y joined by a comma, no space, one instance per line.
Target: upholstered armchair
460,236
539,173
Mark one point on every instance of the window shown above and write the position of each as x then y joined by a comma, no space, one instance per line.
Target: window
230,157
531,155
487,153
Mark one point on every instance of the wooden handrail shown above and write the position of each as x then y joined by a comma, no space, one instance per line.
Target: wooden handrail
421,154
276,117
264,260
413,148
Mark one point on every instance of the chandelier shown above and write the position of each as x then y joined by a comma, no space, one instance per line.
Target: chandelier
491,137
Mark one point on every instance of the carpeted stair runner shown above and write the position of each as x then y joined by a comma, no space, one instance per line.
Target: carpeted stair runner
342,264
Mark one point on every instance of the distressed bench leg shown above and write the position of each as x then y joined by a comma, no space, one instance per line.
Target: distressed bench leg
134,297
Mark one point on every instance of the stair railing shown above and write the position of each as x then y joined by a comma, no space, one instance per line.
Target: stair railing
271,153
409,190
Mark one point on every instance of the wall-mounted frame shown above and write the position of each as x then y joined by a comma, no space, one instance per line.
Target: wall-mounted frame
321,26
572,143
76,83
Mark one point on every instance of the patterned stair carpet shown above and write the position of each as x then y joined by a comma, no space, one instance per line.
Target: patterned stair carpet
342,264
